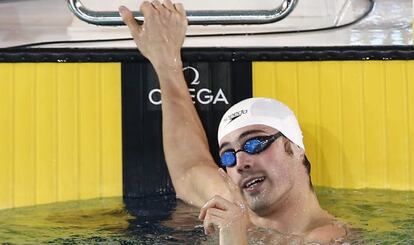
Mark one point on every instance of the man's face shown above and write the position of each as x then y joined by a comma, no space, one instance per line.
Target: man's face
266,178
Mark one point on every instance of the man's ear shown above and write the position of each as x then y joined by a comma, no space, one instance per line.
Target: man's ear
297,150
288,145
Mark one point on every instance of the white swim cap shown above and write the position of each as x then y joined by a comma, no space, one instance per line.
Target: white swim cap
262,111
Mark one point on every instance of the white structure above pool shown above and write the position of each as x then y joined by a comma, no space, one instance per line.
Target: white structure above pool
389,23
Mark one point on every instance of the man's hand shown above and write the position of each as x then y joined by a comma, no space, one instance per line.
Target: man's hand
232,218
162,34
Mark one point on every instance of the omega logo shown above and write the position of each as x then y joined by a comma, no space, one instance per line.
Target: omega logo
203,96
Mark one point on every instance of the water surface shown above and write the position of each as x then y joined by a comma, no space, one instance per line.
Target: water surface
375,217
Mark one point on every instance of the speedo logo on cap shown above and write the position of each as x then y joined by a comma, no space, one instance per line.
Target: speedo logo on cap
234,116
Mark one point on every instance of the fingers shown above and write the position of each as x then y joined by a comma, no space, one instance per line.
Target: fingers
216,202
146,7
180,9
169,5
130,21
157,4
224,215
214,217
127,16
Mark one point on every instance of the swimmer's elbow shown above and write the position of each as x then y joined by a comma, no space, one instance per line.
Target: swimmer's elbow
187,194
199,183
185,186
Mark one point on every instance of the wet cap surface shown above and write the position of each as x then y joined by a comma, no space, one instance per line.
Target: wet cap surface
264,111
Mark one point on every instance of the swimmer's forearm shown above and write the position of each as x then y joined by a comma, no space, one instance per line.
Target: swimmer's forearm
184,139
181,123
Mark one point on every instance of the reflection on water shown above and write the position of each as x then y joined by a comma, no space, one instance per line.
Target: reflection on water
376,216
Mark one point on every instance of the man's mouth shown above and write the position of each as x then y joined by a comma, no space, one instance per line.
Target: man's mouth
253,183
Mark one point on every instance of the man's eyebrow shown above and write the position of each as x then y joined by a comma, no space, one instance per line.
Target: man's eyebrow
223,145
253,131
242,135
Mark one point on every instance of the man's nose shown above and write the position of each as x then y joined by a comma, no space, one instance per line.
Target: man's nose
244,161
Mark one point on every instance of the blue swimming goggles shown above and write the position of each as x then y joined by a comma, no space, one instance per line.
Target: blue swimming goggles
251,146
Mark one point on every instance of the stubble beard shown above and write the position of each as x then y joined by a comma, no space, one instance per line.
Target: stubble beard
258,203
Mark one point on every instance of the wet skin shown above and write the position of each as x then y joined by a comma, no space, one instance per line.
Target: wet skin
266,178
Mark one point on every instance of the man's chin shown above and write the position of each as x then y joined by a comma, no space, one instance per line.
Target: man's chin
261,211
258,206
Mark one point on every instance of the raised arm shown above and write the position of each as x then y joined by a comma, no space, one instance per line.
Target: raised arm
190,164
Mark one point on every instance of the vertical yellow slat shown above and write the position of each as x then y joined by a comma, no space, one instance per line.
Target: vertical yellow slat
267,72
374,124
24,132
410,111
111,175
330,127
353,161
6,136
308,107
46,132
286,84
276,80
68,132
397,126
89,131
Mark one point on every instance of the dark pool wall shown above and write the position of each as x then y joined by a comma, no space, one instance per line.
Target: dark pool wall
214,86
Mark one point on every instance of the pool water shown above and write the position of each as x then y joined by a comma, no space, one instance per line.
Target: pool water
376,217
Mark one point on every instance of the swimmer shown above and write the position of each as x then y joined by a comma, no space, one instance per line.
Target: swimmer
266,182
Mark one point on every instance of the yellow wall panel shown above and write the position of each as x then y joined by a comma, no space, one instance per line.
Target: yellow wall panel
68,140
45,109
24,135
410,111
374,123
357,118
6,136
330,127
307,74
268,74
61,132
89,131
353,143
110,119
287,91
397,125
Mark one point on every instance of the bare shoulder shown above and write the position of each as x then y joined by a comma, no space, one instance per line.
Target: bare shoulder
331,233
